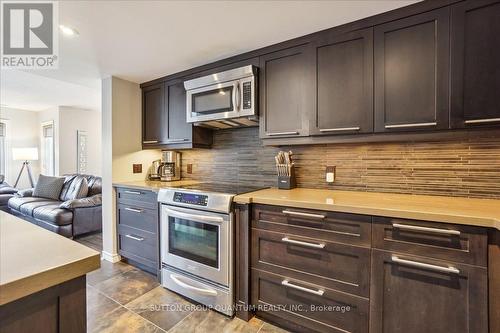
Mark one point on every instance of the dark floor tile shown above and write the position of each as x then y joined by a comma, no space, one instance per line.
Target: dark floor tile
268,328
210,321
107,271
161,306
128,286
98,305
122,320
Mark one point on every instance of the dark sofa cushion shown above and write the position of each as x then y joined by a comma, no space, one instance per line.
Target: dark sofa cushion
4,198
48,187
28,208
16,202
7,190
53,214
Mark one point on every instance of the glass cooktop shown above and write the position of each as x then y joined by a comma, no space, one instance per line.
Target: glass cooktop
227,188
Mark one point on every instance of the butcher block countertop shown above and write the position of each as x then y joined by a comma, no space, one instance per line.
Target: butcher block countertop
475,212
33,259
153,185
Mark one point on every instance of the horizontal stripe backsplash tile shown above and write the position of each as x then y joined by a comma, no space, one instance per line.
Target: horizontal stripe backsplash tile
466,168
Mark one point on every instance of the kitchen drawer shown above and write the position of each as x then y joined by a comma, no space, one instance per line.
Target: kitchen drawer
333,265
302,306
138,245
137,217
331,226
137,198
451,242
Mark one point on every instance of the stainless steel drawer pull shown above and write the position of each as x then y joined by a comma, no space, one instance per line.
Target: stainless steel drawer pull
282,133
150,141
339,129
426,229
133,192
482,121
134,210
316,216
411,125
449,269
176,140
140,239
297,242
318,292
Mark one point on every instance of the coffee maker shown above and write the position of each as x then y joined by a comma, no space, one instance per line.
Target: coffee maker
155,170
170,166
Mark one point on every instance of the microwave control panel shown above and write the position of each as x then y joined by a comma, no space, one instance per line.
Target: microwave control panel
191,198
247,95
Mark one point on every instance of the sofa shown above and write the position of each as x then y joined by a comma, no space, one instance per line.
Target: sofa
6,192
67,216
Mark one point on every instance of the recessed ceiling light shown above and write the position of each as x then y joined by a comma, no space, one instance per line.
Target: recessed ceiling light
68,31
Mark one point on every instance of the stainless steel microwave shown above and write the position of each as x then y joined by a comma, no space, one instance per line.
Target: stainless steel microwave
223,100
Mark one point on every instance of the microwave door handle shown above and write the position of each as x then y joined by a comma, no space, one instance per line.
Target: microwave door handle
235,98
196,217
238,95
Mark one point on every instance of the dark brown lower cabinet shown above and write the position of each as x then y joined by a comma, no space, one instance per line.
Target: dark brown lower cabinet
303,307
413,294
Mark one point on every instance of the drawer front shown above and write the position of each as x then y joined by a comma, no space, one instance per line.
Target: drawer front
138,217
310,306
137,198
452,242
336,227
138,244
333,265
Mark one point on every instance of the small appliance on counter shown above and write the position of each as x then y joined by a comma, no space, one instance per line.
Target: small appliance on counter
155,170
286,170
170,166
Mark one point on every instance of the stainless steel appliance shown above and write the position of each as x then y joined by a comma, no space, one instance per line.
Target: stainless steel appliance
196,240
223,100
155,170
170,167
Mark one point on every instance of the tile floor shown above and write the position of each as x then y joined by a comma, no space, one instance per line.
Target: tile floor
122,298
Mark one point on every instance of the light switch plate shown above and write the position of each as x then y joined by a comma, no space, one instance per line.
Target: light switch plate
330,174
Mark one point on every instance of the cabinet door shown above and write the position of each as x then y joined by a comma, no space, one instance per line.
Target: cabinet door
286,93
413,295
411,73
344,72
475,64
153,115
179,130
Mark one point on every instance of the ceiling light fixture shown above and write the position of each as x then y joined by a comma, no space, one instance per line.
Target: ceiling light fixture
68,31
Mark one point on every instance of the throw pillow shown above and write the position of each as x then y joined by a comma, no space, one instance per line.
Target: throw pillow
48,187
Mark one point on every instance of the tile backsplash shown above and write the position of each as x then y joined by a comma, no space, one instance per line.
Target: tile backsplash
466,167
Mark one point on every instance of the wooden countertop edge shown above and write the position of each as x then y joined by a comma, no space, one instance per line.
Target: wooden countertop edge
17,289
403,214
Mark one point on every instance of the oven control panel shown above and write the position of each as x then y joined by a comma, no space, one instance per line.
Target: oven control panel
191,198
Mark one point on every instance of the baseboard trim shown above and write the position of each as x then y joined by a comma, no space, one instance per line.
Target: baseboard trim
110,256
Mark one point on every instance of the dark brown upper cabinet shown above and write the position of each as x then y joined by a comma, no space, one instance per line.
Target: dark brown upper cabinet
286,93
475,64
411,58
416,294
164,119
153,115
344,77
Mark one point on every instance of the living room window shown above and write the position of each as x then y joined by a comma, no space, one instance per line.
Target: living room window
3,129
48,155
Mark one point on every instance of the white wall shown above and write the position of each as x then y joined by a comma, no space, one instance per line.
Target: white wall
121,147
22,132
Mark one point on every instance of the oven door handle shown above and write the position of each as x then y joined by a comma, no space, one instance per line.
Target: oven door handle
202,291
196,217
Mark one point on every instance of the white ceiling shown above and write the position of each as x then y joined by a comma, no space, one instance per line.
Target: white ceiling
143,40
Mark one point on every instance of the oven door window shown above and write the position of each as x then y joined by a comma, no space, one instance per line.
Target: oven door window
193,240
212,101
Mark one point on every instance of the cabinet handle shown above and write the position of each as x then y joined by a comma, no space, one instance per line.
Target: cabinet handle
297,242
134,210
339,129
449,269
411,125
316,216
140,239
150,141
133,192
176,140
287,283
426,229
482,121
282,133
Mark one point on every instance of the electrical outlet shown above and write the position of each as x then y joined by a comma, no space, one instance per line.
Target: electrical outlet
330,174
137,168
189,168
